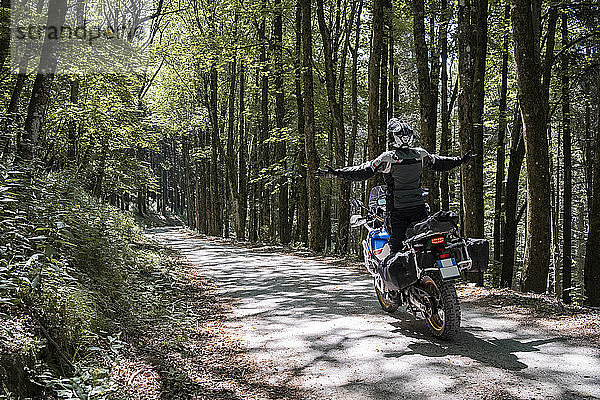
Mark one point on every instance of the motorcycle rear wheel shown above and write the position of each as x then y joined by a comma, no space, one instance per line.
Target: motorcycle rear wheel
443,316
388,301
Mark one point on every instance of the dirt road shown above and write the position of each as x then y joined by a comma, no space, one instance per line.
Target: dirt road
318,326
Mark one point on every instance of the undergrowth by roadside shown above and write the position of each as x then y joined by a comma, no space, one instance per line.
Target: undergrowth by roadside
73,271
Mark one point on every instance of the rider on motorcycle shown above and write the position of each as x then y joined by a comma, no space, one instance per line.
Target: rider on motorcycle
401,167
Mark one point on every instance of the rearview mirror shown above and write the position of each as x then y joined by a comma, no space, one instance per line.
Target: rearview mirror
357,220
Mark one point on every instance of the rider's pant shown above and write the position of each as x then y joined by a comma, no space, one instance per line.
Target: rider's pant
397,222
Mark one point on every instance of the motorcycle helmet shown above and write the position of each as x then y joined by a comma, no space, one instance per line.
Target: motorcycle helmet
400,134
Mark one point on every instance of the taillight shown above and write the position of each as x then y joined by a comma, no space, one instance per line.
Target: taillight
438,240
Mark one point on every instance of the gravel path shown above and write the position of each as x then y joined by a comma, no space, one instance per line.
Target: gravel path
318,326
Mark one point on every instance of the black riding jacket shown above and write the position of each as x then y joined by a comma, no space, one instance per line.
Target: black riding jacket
401,169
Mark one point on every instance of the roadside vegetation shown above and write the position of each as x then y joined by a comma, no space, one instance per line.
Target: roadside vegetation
74,272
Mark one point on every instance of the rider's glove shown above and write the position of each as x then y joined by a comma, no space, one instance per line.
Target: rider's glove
467,157
327,172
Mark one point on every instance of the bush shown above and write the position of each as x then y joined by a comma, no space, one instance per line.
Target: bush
66,260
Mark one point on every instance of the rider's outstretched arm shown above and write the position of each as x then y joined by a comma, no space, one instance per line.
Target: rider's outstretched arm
444,163
360,172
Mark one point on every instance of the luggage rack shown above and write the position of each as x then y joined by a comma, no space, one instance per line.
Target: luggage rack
464,260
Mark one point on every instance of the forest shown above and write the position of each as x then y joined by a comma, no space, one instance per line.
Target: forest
222,112
239,103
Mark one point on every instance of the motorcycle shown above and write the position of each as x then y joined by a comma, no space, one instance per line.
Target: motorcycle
433,257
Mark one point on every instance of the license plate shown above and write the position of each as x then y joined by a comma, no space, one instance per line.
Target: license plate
448,268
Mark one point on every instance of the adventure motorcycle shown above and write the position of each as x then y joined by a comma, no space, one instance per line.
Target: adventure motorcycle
421,276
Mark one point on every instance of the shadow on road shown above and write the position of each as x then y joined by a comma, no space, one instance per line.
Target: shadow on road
498,353
325,322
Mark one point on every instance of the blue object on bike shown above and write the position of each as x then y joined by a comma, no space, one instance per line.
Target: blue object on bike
379,237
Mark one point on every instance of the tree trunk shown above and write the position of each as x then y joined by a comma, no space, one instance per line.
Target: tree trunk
74,95
188,182
40,94
215,224
354,87
301,181
526,20
284,225
427,98
567,188
231,162
555,192
591,272
588,157
374,74
312,157
242,199
343,233
500,151
472,49
198,224
392,68
326,209
445,112
265,215
98,184
383,82
511,200
13,106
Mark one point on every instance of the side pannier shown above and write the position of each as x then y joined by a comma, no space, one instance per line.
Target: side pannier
478,251
399,271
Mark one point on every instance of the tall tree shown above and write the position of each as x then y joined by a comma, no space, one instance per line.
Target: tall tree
343,232
316,240
428,96
445,112
392,68
354,86
511,199
472,50
567,187
374,76
265,214
591,273
242,198
383,79
500,147
40,94
215,225
526,20
301,180
281,150
236,170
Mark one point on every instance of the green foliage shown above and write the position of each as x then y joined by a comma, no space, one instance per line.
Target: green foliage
66,264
